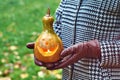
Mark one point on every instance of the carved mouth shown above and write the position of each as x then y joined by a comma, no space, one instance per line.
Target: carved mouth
47,52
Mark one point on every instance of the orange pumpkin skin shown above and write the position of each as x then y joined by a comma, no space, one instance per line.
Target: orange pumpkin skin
48,46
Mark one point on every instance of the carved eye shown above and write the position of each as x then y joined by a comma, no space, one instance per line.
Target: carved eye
43,39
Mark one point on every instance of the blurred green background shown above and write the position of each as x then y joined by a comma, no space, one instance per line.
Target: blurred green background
20,22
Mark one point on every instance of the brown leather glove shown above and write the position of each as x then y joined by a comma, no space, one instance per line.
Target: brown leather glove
72,54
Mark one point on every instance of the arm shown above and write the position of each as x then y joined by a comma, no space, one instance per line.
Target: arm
110,54
57,23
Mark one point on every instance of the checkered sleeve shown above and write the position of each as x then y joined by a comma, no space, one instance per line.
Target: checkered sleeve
57,23
110,54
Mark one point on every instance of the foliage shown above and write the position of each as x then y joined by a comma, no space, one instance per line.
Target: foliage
20,22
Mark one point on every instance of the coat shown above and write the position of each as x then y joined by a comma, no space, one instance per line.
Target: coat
84,20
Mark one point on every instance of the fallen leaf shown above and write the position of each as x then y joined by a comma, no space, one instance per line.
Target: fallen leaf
23,68
6,78
10,66
55,73
41,74
3,60
58,76
34,77
17,65
24,75
15,52
1,34
17,57
1,73
12,48
6,53
6,72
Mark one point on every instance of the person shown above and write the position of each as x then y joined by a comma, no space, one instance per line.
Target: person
89,30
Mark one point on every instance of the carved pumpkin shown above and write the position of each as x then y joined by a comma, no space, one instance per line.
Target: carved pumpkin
48,46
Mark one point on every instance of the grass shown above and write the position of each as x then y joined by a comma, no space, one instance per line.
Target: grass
20,22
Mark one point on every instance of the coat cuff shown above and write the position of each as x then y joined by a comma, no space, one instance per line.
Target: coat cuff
110,54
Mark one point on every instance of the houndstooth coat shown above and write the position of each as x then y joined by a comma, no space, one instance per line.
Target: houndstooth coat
84,20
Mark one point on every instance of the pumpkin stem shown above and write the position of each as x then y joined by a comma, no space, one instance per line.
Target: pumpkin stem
48,12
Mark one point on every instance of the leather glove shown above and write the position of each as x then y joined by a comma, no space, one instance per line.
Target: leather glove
70,55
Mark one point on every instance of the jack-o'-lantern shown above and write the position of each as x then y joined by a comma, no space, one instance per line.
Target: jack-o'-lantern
48,45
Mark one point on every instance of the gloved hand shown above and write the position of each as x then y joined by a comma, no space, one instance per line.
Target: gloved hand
72,54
